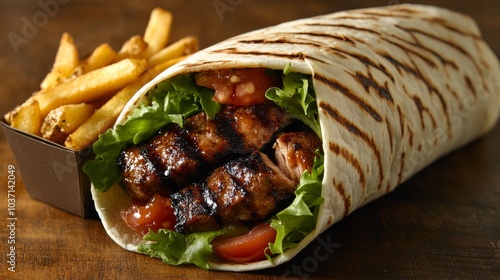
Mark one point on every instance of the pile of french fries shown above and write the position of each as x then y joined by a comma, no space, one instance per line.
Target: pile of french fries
81,99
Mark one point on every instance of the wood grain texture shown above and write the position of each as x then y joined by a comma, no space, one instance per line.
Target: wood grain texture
442,223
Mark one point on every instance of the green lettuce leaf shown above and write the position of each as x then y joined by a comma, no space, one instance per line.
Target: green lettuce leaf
297,220
297,98
170,102
175,248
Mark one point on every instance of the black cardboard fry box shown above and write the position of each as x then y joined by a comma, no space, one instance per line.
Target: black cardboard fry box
52,173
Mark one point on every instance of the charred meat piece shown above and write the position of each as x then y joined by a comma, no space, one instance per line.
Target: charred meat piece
245,129
295,152
167,159
176,157
137,172
246,189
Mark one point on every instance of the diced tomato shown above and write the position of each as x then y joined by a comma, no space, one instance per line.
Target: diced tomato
157,213
241,87
250,247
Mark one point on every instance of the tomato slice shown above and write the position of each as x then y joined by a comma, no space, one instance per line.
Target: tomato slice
157,213
241,87
250,247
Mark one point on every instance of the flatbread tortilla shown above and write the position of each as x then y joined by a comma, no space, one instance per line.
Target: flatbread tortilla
397,87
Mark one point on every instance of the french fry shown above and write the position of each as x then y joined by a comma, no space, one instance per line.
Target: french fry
105,117
79,100
27,118
92,85
65,62
135,47
64,120
157,31
8,115
182,47
102,56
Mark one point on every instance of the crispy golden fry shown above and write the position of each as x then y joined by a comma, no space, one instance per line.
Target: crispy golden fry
105,117
102,56
64,120
27,118
65,62
91,86
65,110
157,31
135,47
8,115
182,47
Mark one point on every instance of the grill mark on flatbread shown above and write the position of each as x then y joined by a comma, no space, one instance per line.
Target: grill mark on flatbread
454,94
404,48
421,110
335,52
280,41
431,88
401,168
349,157
401,66
434,53
379,15
388,188
368,82
471,88
320,24
355,17
335,85
403,9
351,127
366,61
330,36
429,35
389,131
346,199
410,51
413,31
434,20
234,50
445,24
410,139
201,62
401,121
434,37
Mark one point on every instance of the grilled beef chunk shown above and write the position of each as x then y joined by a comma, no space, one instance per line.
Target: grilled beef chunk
248,188
176,157
295,152
245,189
137,172
235,131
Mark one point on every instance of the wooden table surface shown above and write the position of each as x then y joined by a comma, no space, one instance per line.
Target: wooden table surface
443,223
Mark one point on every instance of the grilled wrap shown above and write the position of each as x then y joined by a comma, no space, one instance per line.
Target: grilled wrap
396,88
